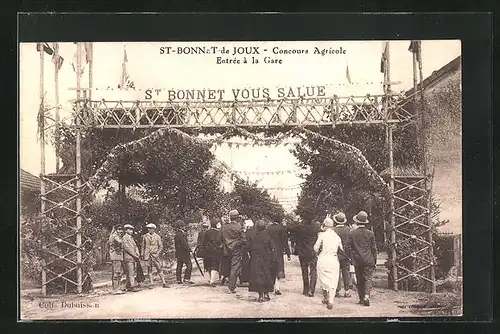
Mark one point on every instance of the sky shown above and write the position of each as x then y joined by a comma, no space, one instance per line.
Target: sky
150,69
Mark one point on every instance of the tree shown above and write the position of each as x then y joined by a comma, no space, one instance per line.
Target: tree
255,202
337,180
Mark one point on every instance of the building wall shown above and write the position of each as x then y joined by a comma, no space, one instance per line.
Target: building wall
445,148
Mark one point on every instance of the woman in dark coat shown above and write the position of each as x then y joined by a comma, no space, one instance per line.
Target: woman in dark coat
279,236
245,258
212,251
225,259
261,261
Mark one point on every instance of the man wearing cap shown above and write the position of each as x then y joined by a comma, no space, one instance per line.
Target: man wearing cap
130,256
151,248
343,231
362,250
234,241
116,257
182,253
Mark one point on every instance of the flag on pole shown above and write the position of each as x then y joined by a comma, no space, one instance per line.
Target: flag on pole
384,57
56,57
348,75
416,47
84,57
46,47
125,78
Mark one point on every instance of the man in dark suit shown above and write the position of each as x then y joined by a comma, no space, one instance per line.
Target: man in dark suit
362,250
280,239
233,238
182,253
305,236
343,231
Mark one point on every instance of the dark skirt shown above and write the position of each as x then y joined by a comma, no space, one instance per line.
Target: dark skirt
245,268
261,279
279,266
211,263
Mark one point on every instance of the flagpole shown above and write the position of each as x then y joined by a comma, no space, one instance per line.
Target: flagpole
415,101
90,53
388,67
56,81
42,162
387,83
78,169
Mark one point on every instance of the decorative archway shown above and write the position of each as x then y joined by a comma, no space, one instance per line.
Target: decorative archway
297,115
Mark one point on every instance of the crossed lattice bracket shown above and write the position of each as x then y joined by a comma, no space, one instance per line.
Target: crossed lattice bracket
272,112
414,249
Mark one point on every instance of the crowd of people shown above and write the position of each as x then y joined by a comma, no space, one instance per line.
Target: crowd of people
239,250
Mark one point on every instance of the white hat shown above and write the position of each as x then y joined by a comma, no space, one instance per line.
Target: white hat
248,223
328,222
128,226
151,225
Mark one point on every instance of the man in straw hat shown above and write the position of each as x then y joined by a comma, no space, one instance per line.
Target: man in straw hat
362,250
328,246
130,256
116,257
234,242
343,231
151,249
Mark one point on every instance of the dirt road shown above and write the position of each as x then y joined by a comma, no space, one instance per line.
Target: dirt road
201,301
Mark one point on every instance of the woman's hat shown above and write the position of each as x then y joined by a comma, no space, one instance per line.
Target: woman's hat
361,218
328,222
128,226
151,225
339,218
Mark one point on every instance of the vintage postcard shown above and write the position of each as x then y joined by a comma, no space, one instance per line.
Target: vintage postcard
180,180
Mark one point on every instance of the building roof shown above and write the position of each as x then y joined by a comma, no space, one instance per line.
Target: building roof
29,181
440,74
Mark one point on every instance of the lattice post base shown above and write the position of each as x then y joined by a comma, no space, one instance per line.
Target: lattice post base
60,237
414,249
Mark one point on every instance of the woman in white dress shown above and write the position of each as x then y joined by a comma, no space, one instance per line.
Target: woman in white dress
327,246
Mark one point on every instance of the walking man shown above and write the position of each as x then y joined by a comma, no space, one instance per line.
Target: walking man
151,250
182,253
116,257
280,240
234,242
343,231
362,250
305,236
130,257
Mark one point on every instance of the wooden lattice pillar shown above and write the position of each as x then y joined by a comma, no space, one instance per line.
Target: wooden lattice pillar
414,245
